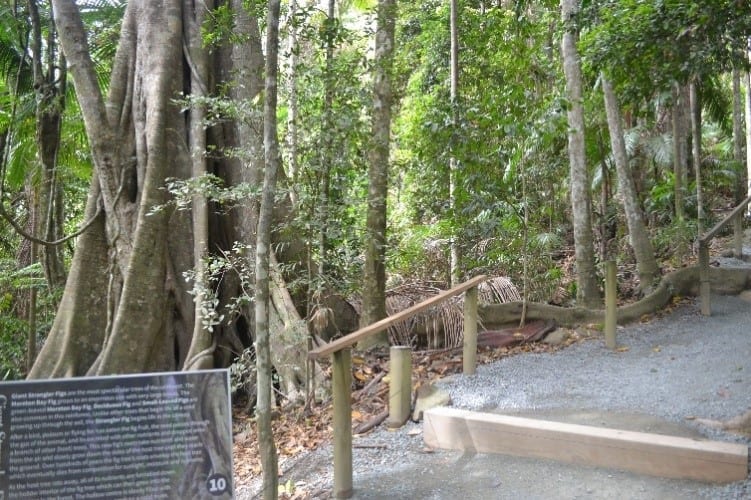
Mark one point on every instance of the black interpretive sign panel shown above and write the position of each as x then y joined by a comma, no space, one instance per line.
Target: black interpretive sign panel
162,435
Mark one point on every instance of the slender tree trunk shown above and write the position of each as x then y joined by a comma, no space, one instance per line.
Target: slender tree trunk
604,205
646,263
327,148
200,353
696,151
49,86
680,147
263,248
455,274
748,135
292,132
289,343
738,136
588,293
31,342
374,279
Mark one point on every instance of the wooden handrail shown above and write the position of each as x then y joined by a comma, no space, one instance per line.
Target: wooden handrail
341,364
716,229
357,336
704,286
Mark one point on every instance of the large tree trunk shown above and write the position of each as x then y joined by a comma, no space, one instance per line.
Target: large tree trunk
646,263
587,292
126,306
374,277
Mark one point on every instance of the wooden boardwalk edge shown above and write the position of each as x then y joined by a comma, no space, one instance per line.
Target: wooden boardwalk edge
644,453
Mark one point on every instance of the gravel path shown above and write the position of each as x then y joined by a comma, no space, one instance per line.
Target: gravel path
680,366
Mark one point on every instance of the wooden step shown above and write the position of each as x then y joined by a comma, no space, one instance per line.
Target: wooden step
652,454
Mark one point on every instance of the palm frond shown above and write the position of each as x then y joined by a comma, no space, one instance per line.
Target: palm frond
660,147
14,68
443,324
498,290
632,137
20,160
717,104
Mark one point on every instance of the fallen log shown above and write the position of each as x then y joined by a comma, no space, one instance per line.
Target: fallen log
373,422
530,332
365,391
682,282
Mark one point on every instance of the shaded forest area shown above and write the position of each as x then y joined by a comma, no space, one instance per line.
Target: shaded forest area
216,183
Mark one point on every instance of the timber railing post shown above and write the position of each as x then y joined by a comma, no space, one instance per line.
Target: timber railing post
342,387
704,287
611,311
736,217
469,356
738,236
342,373
400,385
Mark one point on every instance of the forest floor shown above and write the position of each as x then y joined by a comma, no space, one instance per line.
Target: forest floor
303,431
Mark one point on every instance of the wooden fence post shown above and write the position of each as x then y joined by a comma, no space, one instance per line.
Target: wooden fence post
738,236
611,310
400,385
704,287
342,387
469,356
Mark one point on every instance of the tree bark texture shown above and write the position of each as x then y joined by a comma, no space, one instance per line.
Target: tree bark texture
49,88
289,344
680,146
587,292
374,276
126,306
646,263
201,351
292,139
696,150
748,133
327,147
453,165
738,137
263,246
